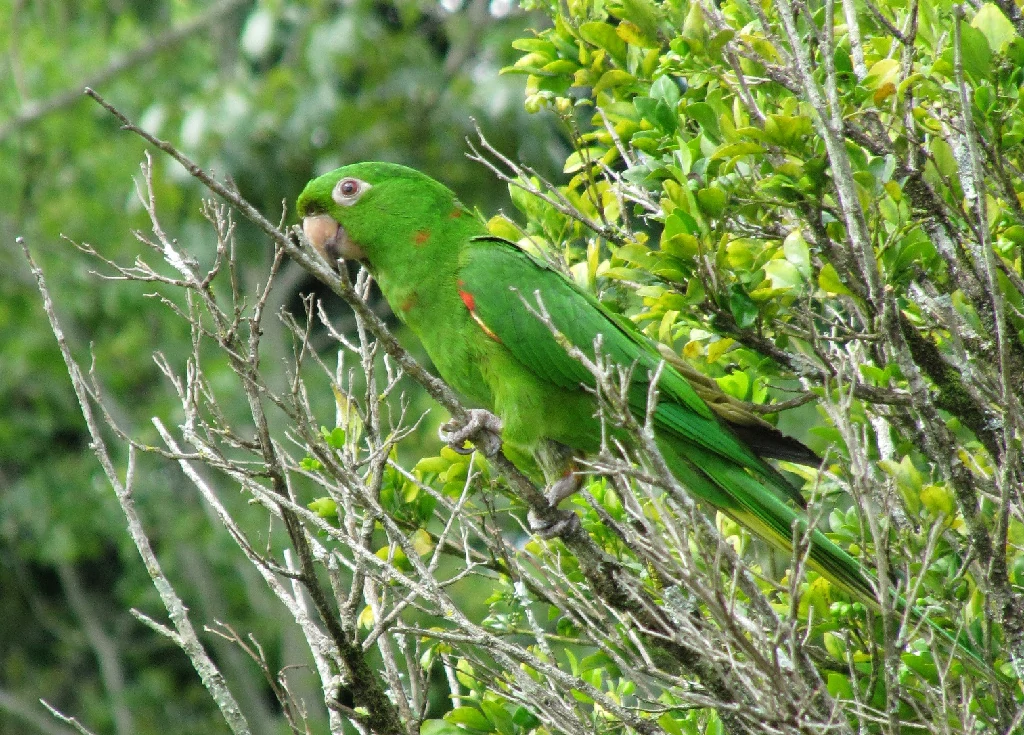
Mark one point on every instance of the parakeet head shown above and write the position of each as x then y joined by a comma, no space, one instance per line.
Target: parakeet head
370,211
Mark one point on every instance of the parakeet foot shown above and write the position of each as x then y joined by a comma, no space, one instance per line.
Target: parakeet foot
566,521
563,488
481,427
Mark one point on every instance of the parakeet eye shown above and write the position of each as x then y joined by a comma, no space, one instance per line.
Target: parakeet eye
347,191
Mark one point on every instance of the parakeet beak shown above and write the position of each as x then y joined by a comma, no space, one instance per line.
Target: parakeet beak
330,239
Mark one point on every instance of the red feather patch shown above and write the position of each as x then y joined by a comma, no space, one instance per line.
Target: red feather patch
467,297
470,302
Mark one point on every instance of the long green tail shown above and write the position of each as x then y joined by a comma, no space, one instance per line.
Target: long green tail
748,501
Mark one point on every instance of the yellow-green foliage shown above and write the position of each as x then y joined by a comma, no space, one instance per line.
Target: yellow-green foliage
709,210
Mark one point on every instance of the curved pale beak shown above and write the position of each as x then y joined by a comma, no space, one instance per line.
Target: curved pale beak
330,239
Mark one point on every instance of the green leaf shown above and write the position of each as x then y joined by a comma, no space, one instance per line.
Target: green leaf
470,717
397,556
657,113
680,245
634,35
830,282
665,88
839,686
835,646
797,252
881,73
324,507
695,26
707,118
976,53
669,724
560,67
595,661
841,60
501,226
938,499
680,222
622,274
642,13
917,251
921,663
648,141
604,36
528,64
422,542
740,254
583,158
581,697
335,438
717,43
743,308
1015,52
909,480
465,674
429,465
998,31
875,374
718,347
760,44
498,716
782,273
785,130
536,45
715,725
611,79
944,159
634,254
1015,234
524,719
736,384
1017,571
712,201
440,727
529,204
731,150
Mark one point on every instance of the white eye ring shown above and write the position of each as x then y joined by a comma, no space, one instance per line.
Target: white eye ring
347,191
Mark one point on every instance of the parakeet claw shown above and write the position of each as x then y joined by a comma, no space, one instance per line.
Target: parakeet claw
566,523
481,427
563,488
559,522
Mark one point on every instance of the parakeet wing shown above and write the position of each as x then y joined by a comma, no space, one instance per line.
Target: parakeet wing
501,279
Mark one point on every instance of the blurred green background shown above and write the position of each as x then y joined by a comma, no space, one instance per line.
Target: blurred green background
269,93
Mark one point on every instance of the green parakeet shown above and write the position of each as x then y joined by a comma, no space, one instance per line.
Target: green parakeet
473,300
462,291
